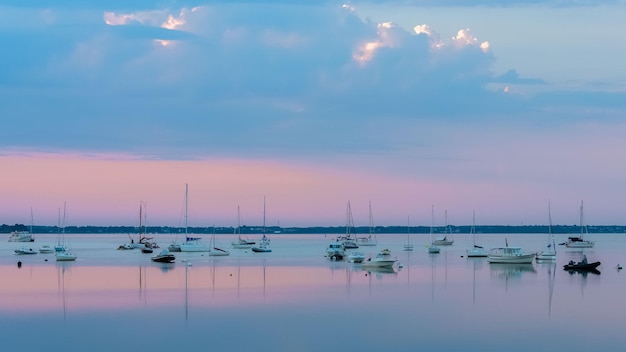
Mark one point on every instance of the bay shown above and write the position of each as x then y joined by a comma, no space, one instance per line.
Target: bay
295,299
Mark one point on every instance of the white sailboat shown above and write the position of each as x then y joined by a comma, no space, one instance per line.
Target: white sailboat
63,253
447,239
476,250
580,241
191,244
238,242
409,245
548,254
432,248
369,240
348,241
60,246
214,250
264,245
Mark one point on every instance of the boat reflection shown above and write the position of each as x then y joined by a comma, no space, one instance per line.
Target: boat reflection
510,271
379,270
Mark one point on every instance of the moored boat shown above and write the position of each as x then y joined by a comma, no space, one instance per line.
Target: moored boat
164,257
336,251
382,259
25,250
21,236
582,265
356,257
510,255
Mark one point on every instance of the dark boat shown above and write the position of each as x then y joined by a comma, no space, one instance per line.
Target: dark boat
583,265
164,257
146,250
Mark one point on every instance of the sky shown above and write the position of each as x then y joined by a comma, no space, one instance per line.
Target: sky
493,107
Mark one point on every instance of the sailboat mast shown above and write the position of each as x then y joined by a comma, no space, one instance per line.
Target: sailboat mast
263,215
186,209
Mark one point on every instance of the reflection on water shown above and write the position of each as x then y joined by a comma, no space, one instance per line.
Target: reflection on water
282,298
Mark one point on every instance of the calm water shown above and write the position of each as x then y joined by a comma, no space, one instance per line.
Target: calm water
295,299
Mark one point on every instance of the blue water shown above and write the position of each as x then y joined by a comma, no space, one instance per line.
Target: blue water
295,299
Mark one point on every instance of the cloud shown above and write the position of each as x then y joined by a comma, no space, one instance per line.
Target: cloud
225,79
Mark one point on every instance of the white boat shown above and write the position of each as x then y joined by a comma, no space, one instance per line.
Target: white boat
60,246
191,244
21,236
580,241
45,249
510,255
447,239
349,242
264,244
25,250
238,242
216,251
548,254
369,240
432,248
356,257
382,260
409,245
65,256
336,251
476,251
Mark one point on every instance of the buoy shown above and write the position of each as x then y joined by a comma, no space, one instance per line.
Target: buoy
19,264
400,266
619,267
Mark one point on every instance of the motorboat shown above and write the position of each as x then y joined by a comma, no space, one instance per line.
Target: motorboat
65,256
383,259
510,255
336,251
146,250
25,250
45,249
356,257
21,236
125,247
582,265
164,257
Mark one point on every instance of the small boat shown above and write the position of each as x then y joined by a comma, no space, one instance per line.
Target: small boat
510,255
382,260
336,251
65,256
582,265
580,241
146,250
548,254
25,250
356,257
476,251
46,249
240,243
21,236
164,257
125,247
432,248
264,245
447,239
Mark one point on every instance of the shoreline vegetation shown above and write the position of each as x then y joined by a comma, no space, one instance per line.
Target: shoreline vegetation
363,230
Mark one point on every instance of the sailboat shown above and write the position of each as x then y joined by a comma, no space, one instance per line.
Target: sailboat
476,250
240,243
549,254
24,236
264,245
368,240
447,239
60,247
580,241
433,248
216,251
63,253
348,241
408,246
191,244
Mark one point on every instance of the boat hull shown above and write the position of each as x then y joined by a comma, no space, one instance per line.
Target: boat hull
169,258
582,267
518,259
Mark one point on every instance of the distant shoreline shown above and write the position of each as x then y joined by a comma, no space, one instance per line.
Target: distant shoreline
359,230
